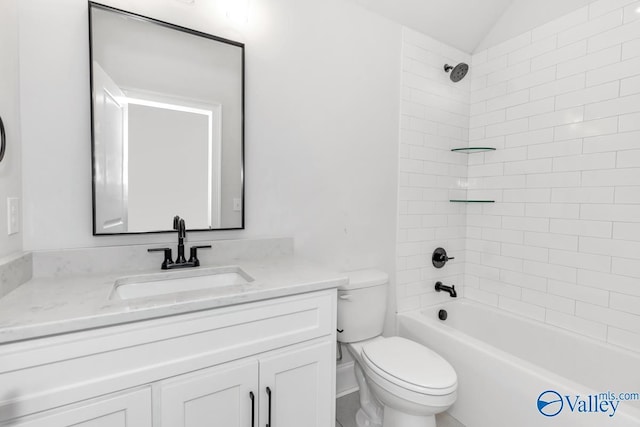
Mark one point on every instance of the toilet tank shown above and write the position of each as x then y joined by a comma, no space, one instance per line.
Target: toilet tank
362,305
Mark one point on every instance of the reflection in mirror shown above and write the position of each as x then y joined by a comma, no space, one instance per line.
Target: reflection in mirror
167,110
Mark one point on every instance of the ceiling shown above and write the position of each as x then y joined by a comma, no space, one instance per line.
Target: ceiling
459,23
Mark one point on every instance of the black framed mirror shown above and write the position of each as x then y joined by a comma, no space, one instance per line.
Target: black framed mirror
167,108
3,140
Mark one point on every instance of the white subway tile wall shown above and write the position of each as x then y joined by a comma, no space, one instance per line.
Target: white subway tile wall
435,119
561,105
562,244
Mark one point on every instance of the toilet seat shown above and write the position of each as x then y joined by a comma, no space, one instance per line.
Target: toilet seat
409,366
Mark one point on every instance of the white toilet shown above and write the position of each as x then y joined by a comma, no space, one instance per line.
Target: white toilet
402,383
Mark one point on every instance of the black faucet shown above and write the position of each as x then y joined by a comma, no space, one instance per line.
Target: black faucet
181,262
179,226
451,289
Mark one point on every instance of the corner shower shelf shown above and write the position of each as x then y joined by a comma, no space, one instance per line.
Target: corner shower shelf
470,150
471,201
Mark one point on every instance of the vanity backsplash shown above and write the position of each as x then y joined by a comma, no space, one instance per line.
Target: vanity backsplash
71,262
14,271
18,269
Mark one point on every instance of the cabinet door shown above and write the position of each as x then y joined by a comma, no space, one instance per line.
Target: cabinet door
132,409
214,397
301,385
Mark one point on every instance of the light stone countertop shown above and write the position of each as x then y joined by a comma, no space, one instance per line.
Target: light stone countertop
46,306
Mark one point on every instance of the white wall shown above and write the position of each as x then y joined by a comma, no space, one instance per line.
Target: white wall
435,119
322,92
10,167
458,23
525,15
562,242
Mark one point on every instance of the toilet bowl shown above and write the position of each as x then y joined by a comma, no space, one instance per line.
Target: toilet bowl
410,383
402,383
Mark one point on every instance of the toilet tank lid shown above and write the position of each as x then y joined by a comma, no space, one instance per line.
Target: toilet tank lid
364,279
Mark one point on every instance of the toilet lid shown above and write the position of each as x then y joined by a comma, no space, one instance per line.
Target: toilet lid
410,362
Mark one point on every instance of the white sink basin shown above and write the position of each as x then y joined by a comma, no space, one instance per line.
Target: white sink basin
180,281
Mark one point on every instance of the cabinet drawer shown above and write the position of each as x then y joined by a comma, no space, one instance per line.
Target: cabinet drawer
132,408
56,371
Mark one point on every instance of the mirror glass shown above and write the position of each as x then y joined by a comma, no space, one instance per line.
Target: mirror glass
167,125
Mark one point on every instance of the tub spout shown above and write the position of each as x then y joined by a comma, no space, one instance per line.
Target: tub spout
451,289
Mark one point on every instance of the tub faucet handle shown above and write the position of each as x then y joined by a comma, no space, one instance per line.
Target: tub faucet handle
440,258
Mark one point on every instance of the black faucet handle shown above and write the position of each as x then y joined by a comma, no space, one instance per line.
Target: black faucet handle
440,258
176,222
193,254
168,258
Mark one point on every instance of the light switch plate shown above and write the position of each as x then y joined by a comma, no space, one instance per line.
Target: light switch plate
237,204
13,215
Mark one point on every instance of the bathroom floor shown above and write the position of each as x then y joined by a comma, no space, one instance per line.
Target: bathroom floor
347,406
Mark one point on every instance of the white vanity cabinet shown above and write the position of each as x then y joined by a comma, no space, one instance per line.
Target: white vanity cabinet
302,387
219,396
209,368
286,389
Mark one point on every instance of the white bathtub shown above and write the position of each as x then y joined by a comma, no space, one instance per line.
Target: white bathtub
505,362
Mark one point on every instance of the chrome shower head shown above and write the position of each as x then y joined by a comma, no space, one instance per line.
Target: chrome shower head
459,71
